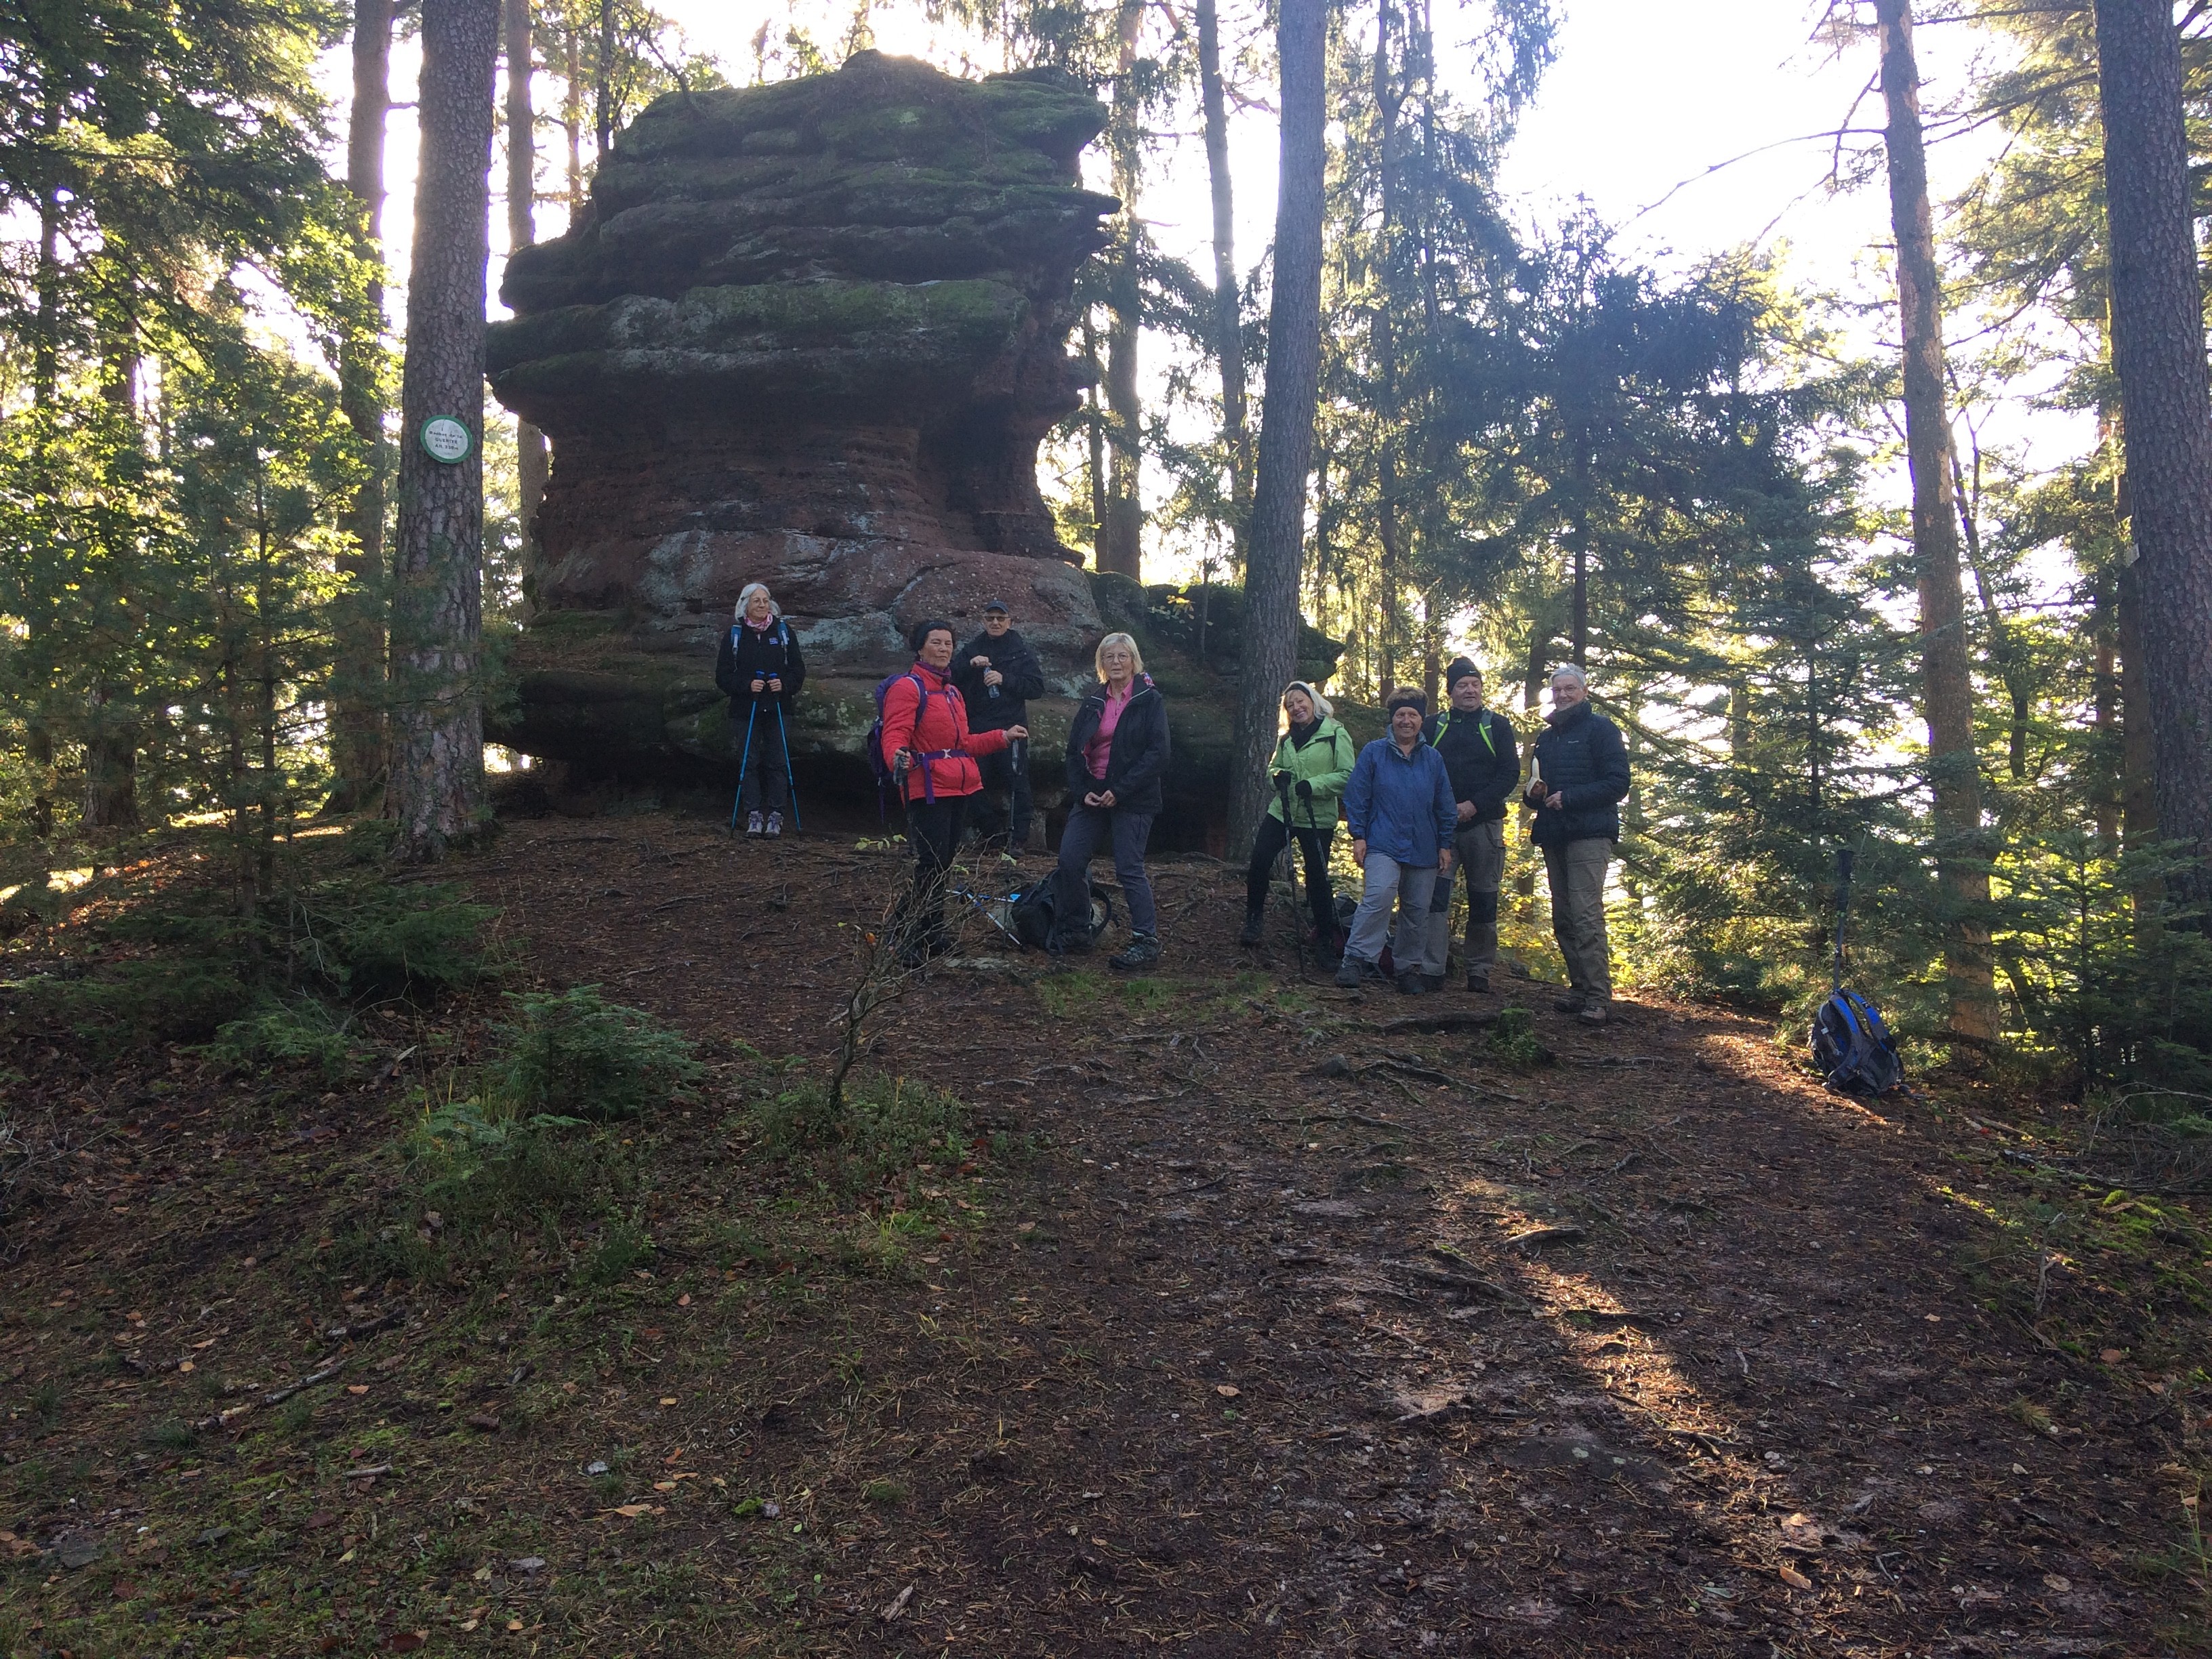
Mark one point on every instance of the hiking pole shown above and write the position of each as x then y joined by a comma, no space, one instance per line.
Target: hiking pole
744,759
1843,857
1291,868
789,782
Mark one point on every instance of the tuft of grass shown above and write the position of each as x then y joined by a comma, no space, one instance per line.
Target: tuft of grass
1065,996
1512,1041
885,1494
170,1435
287,1031
576,1055
888,1129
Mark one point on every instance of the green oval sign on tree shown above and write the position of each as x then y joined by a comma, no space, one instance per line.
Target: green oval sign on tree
445,439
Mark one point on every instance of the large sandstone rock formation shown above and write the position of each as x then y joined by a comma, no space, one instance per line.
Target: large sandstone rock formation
811,334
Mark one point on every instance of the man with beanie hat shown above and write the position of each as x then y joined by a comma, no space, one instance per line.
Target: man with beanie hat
1478,751
998,674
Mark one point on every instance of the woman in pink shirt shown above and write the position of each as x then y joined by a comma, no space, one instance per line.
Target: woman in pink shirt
1117,752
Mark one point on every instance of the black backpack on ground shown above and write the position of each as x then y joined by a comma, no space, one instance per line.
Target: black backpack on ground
1067,911
1852,1048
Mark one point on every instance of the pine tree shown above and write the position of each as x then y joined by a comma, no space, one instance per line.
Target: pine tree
436,787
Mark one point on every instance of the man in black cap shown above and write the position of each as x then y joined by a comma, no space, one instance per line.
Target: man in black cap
1477,744
998,674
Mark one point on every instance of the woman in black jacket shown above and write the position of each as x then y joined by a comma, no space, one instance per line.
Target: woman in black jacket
1117,752
759,668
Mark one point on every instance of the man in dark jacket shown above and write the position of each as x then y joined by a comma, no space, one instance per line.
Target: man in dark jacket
1479,750
1577,779
998,674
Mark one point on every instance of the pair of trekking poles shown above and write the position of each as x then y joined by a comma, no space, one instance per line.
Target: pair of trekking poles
1291,864
745,759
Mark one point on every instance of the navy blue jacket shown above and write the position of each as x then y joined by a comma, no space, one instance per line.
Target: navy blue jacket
1137,758
1583,760
749,654
1400,805
1010,655
1480,753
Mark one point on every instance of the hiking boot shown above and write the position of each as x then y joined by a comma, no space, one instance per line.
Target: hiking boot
1573,1002
1478,984
1348,973
752,824
1595,1012
1144,950
1412,984
775,825
1432,981
1254,921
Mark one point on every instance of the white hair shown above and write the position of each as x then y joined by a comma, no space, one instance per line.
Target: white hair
1567,671
745,597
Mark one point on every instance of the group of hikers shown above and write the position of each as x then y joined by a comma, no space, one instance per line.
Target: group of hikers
1428,799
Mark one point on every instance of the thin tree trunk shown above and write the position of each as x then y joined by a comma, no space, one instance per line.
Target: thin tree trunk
2004,650
357,737
436,791
603,110
2105,705
2166,400
2138,768
1227,323
1954,772
111,730
1286,419
530,460
572,120
46,347
1121,541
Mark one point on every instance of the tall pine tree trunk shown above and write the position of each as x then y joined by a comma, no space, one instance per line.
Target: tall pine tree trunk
436,789
1277,537
111,722
1121,538
2165,402
1228,324
358,695
1946,682
530,461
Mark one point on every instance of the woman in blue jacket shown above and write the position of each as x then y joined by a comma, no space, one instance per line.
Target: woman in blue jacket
1399,805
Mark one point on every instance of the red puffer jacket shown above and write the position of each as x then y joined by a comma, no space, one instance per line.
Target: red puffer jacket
941,732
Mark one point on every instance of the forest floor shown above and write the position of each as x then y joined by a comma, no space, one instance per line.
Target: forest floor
1254,1319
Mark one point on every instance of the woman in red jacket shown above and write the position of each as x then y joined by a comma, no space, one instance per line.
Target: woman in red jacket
933,753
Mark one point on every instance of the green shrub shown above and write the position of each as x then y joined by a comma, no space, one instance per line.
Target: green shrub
299,1031
1513,1042
364,938
167,998
574,1054
889,1127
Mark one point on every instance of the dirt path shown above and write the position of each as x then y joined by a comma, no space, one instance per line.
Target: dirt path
1264,1327
1739,1394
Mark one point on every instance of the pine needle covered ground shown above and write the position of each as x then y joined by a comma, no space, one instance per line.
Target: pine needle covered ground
1210,1313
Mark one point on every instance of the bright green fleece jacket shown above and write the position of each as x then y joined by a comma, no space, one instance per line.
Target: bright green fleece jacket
1326,762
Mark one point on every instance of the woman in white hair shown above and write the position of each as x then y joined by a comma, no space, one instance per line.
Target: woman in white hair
760,667
1312,764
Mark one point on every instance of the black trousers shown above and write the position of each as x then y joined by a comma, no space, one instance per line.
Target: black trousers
1313,844
1001,771
932,829
768,778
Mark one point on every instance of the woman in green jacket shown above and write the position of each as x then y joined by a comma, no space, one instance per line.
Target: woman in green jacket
1312,764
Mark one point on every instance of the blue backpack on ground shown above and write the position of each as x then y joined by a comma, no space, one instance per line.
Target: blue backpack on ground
1852,1048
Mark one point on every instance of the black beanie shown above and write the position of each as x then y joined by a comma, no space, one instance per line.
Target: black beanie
1460,669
